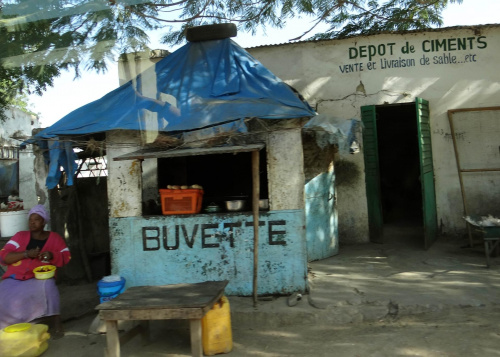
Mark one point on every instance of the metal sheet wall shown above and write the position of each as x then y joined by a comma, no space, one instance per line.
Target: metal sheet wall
321,217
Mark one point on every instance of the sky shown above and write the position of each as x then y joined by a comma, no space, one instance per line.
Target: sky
69,94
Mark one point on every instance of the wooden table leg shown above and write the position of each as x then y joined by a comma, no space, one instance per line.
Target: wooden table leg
487,252
145,332
112,338
196,345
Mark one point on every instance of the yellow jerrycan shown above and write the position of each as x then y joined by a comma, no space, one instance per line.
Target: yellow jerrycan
217,335
24,340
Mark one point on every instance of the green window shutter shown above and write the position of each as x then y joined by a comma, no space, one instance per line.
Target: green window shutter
426,172
372,173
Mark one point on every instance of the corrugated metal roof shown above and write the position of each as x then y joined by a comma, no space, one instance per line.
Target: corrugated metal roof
440,29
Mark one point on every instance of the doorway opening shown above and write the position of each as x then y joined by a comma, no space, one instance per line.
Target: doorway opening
400,185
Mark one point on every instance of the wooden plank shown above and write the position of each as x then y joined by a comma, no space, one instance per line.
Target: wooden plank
478,170
112,338
255,210
152,314
196,344
175,296
152,153
472,109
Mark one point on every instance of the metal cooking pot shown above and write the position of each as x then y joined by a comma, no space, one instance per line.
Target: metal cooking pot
235,205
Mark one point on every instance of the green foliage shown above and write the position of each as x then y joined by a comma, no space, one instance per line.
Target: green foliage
22,103
9,97
356,18
39,39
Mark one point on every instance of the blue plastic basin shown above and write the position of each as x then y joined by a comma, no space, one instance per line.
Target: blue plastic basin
105,288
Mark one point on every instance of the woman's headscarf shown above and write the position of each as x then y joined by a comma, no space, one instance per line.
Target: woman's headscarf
41,211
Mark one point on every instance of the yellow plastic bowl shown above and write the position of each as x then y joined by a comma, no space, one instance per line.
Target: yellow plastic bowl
18,327
44,272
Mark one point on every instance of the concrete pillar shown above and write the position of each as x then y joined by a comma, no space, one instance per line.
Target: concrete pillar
129,66
27,178
41,170
124,177
285,161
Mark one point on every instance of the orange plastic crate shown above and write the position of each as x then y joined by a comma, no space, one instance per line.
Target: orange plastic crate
186,201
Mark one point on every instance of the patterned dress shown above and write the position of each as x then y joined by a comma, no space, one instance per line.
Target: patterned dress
23,297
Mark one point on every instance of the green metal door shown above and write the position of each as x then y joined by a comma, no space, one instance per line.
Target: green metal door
372,173
426,172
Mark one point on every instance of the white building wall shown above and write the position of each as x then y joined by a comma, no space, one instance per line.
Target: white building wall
13,131
328,73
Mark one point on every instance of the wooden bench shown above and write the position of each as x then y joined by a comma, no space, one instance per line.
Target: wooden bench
144,303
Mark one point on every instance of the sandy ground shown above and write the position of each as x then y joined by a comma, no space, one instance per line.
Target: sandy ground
458,332
458,294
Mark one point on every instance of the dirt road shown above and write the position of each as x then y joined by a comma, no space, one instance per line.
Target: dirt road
463,332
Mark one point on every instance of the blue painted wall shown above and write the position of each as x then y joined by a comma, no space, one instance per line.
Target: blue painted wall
161,250
321,217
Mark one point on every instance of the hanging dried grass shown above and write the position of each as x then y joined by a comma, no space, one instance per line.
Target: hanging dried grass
219,139
165,141
93,146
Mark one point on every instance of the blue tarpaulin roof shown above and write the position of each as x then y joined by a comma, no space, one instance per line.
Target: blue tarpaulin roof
202,84
213,82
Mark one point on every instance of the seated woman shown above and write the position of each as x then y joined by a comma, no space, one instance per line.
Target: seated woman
24,298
